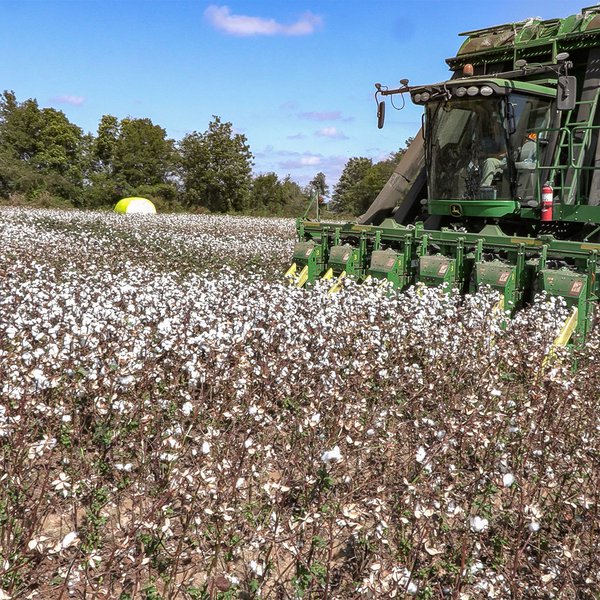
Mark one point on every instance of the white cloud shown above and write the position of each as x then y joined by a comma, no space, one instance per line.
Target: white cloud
331,132
66,99
326,115
221,18
310,160
307,160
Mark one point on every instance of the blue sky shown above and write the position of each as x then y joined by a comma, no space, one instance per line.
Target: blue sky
295,76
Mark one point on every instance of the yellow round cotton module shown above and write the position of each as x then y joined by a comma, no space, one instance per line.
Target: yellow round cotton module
135,206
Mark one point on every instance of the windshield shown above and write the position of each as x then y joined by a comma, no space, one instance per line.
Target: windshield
478,148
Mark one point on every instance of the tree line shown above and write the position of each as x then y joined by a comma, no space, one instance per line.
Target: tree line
45,160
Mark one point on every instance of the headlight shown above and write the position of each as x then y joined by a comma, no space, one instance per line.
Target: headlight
460,92
472,90
425,96
417,98
486,90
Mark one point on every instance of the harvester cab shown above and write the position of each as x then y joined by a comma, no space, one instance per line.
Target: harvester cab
483,136
500,187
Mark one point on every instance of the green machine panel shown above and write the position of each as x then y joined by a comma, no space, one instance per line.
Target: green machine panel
437,270
310,255
387,264
345,258
499,276
571,286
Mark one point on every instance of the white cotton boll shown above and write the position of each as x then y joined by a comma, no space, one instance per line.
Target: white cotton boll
187,409
164,326
412,588
248,443
94,560
421,454
508,479
205,448
533,526
478,524
476,567
256,567
496,393
330,455
68,539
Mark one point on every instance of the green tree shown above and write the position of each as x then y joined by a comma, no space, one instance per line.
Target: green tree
41,151
142,154
319,183
295,199
267,193
362,195
354,171
355,193
106,142
216,168
131,157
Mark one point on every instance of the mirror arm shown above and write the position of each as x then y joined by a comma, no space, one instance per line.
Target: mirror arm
400,90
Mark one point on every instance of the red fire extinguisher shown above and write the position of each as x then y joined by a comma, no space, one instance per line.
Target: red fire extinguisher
547,199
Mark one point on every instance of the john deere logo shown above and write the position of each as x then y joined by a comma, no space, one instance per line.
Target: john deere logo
455,210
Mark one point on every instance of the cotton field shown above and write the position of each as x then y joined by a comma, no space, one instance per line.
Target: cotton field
177,422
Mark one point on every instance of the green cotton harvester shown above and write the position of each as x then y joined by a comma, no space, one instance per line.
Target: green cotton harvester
500,187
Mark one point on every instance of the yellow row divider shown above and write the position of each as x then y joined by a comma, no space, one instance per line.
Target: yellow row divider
303,277
562,339
291,271
337,286
328,274
499,306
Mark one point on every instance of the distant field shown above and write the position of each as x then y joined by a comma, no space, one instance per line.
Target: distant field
177,422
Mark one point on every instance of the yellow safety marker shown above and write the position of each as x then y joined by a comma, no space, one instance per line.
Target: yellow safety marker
289,274
303,277
368,279
562,339
337,286
499,306
328,274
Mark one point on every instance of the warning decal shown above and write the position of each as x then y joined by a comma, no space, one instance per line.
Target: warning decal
576,288
503,278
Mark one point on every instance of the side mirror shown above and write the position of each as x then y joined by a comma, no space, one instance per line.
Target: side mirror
380,114
565,92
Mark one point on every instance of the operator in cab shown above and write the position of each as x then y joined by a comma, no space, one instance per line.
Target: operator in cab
495,165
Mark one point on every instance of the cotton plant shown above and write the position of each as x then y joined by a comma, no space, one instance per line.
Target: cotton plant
177,404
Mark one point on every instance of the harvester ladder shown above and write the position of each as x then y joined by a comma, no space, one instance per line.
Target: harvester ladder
577,134
576,138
